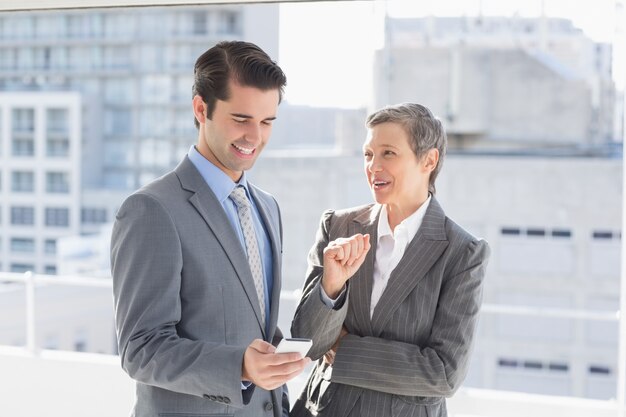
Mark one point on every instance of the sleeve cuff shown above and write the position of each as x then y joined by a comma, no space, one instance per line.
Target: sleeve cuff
333,303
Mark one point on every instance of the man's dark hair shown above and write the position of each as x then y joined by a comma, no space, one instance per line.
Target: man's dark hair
244,63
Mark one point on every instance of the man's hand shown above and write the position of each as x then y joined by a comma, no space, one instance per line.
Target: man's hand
270,370
329,357
342,258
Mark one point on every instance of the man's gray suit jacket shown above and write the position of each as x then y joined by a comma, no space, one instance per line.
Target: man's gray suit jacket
414,351
185,302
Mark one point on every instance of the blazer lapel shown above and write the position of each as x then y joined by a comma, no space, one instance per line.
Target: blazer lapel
361,282
275,239
422,252
211,210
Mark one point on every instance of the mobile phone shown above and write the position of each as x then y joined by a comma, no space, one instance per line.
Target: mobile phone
296,344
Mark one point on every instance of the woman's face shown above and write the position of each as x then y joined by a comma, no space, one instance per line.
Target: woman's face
394,173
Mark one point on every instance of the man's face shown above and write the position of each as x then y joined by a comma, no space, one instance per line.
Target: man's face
239,128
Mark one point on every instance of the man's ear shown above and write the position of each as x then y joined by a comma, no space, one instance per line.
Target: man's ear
430,160
199,109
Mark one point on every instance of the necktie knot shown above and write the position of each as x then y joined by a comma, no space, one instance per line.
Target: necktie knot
239,197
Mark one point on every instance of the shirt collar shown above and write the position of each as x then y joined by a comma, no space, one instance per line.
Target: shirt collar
411,224
217,180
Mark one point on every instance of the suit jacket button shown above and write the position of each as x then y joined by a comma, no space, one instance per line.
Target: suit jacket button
220,398
226,400
212,397
268,406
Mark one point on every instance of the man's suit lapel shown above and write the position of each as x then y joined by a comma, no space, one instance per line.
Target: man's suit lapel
422,252
275,238
361,282
211,210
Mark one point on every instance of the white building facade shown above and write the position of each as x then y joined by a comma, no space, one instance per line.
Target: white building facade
502,83
40,168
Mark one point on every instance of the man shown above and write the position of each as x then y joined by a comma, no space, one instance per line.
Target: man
196,258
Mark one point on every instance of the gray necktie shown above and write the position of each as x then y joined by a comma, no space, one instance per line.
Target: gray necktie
244,210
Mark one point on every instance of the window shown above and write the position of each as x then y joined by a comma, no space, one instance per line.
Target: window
58,121
507,363
21,268
155,122
50,246
58,58
57,147
558,366
23,120
80,341
117,122
8,58
23,216
229,22
602,235
119,90
42,58
75,25
78,58
199,23
599,370
536,232
25,58
57,182
564,233
23,147
117,153
23,128
22,245
50,270
156,89
93,215
59,217
23,181
51,342
118,57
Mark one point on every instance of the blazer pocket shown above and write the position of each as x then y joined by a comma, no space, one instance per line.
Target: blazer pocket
404,406
321,390
194,415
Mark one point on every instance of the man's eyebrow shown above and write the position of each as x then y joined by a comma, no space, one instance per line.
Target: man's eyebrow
242,116
247,116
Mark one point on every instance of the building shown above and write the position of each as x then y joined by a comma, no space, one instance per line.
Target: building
554,224
40,186
503,84
133,69
105,108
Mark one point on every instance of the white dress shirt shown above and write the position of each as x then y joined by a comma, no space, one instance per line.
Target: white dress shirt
389,250
391,246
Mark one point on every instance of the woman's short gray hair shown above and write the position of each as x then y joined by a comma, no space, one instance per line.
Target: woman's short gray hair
425,131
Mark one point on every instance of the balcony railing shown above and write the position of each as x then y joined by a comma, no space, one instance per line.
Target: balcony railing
40,365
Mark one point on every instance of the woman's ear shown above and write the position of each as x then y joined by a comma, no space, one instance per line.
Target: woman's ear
430,160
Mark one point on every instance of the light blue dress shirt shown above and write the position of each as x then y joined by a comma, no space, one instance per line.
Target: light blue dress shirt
222,185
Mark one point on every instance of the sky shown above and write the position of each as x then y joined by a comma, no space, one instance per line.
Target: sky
326,48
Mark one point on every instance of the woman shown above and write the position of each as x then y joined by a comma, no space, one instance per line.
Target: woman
392,327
